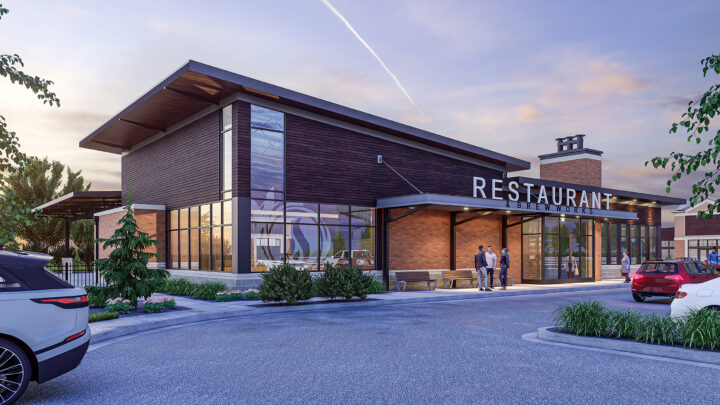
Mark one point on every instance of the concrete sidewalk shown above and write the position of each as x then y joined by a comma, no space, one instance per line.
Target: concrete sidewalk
199,310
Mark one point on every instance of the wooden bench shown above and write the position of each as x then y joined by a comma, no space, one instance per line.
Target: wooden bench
403,277
454,275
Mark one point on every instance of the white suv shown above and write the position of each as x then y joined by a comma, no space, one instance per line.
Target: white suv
43,324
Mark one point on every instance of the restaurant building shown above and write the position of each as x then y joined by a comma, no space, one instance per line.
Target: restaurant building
691,236
233,175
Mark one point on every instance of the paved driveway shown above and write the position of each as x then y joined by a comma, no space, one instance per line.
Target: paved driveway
468,351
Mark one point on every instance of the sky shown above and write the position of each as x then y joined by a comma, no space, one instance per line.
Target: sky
509,76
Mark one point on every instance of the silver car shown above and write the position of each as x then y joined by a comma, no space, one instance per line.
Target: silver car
43,324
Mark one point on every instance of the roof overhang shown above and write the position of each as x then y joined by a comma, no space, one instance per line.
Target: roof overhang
80,204
460,203
197,88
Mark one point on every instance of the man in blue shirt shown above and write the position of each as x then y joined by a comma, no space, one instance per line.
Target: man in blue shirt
713,259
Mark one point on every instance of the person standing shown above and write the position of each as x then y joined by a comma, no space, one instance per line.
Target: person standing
714,260
625,265
504,266
491,259
481,267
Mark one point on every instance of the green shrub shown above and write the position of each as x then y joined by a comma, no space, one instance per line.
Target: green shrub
177,286
102,316
661,330
623,325
159,304
207,290
376,287
251,295
284,283
701,329
120,305
223,296
345,282
586,318
236,295
98,296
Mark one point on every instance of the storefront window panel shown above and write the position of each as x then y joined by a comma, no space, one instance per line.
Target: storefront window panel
266,195
586,257
266,118
532,257
266,246
194,249
183,249
633,244
604,243
551,261
653,242
194,217
266,160
363,247
217,241
301,213
362,216
183,218
227,160
266,211
302,246
693,242
614,251
569,255
227,212
216,209
227,247
552,224
532,227
205,215
205,249
174,259
334,214
334,241
174,219
643,245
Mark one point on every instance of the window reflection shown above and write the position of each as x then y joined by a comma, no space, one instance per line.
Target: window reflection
199,243
261,117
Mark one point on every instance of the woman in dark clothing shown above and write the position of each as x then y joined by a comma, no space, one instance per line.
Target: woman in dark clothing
504,266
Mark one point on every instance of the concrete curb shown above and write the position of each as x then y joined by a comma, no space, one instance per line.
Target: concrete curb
550,334
191,316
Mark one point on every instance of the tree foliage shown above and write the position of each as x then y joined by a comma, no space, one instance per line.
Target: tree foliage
696,122
125,269
14,211
35,183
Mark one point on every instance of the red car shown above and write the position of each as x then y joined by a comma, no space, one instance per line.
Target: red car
662,278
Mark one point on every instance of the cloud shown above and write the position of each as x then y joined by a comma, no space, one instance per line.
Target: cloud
528,113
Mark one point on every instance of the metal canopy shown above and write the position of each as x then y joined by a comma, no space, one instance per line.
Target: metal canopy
80,204
197,89
455,202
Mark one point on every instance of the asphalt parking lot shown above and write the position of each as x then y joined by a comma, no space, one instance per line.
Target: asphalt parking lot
468,351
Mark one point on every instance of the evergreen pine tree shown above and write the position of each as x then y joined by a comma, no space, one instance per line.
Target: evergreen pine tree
125,270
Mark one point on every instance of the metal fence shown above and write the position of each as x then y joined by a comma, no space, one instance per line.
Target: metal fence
78,275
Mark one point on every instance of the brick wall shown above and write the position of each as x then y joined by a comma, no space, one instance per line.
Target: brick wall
680,248
326,163
180,169
151,222
484,231
597,251
420,241
582,171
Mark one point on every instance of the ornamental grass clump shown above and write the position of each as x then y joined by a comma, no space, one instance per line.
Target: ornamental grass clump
285,283
342,282
177,286
701,329
624,324
585,318
660,330
208,290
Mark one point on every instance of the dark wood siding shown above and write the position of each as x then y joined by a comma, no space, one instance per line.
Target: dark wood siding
695,226
668,233
646,215
180,169
326,163
241,146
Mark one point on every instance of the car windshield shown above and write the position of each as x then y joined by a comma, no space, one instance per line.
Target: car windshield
659,268
361,253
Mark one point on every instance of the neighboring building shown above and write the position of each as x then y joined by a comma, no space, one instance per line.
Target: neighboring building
692,236
667,242
234,175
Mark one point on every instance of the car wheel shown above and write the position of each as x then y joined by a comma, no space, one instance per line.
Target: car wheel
15,372
638,297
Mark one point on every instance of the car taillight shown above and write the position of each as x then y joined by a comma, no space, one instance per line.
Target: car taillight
680,294
65,300
79,301
75,336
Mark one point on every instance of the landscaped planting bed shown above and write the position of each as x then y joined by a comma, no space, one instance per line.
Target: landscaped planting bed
699,330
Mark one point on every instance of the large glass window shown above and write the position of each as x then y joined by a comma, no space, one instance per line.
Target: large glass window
267,149
614,251
564,246
226,153
197,239
312,235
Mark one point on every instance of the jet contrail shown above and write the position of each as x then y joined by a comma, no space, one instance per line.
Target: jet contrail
350,27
